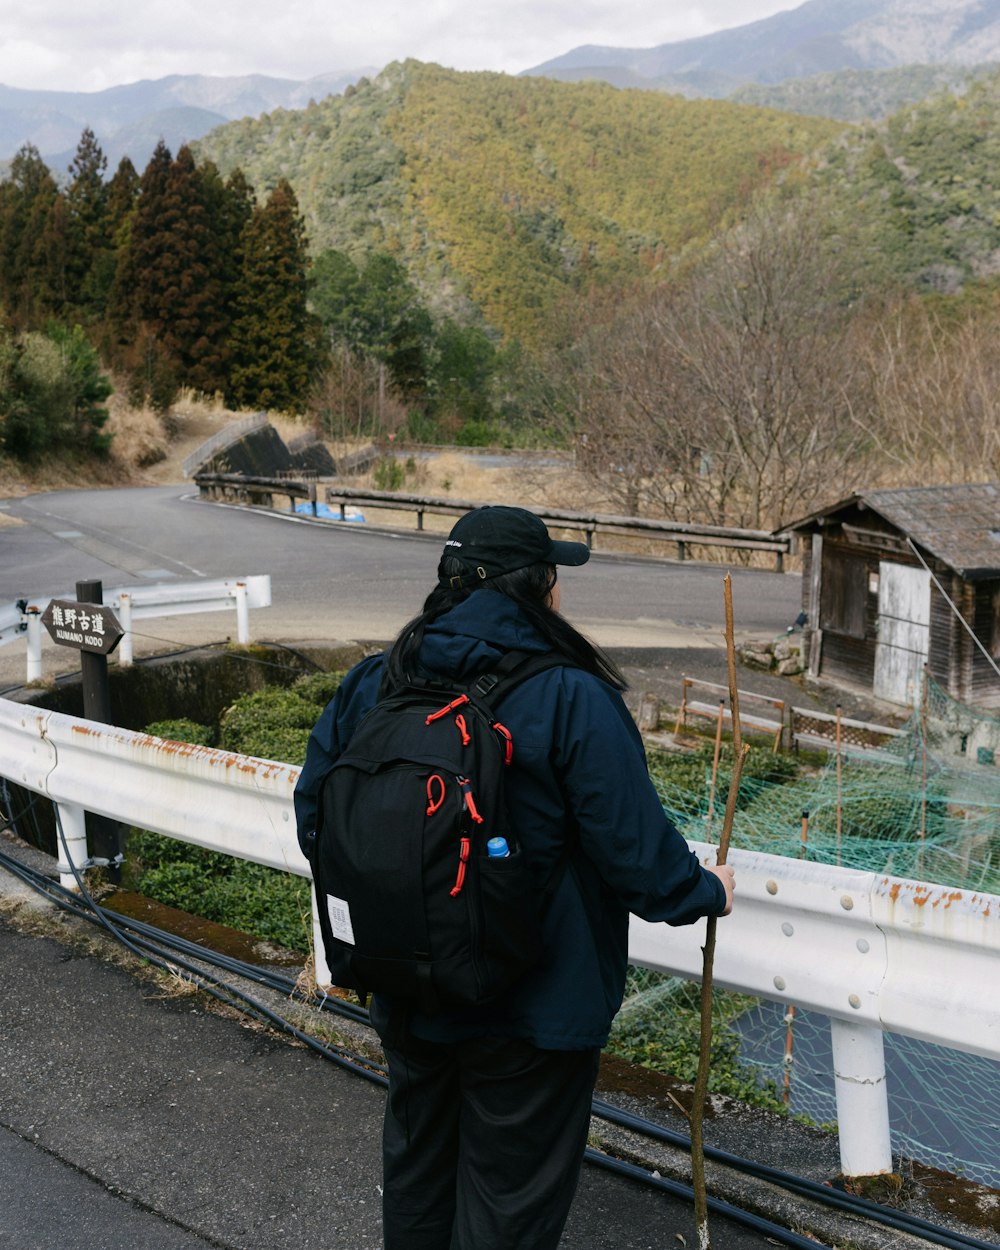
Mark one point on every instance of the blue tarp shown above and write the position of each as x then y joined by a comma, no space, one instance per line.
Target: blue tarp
329,514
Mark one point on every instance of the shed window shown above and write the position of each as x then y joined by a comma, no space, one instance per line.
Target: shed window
843,593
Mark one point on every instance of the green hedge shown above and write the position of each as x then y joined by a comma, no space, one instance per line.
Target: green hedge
273,723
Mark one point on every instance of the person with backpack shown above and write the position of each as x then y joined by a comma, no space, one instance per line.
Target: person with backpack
490,1082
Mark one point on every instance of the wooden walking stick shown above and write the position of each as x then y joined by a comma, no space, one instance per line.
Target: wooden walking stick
715,768
697,1116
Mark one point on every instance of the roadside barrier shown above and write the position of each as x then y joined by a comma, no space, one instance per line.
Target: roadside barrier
23,619
872,952
260,492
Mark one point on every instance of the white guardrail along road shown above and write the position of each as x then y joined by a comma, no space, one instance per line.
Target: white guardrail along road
872,952
22,620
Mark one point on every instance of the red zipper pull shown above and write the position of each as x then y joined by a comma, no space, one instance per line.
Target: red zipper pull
450,707
470,802
434,802
463,859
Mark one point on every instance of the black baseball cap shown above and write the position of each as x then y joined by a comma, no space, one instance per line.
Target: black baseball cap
493,540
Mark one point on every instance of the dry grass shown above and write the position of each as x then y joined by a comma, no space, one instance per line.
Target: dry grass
140,436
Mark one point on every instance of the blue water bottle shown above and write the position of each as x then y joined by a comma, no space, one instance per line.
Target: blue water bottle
497,848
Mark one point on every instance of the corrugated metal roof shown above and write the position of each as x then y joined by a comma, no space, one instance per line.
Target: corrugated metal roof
958,524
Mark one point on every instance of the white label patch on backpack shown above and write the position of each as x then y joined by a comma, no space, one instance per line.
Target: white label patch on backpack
340,919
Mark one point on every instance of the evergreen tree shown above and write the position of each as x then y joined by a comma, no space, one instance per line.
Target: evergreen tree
194,319
272,339
26,199
87,198
463,365
334,294
136,291
51,393
393,323
122,194
133,325
123,191
235,210
169,298
52,260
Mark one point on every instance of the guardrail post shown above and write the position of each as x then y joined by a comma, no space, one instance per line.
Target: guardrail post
72,822
125,621
681,550
862,1098
242,613
312,498
34,667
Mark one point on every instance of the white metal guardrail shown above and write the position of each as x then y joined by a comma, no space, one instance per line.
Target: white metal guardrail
872,952
22,620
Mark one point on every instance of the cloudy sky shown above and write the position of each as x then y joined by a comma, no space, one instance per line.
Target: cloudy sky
87,45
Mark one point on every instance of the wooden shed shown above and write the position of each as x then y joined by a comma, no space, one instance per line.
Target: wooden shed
896,579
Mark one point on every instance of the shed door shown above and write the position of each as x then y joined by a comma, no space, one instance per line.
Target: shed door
904,615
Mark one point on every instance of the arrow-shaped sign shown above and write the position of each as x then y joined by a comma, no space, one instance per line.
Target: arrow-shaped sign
88,627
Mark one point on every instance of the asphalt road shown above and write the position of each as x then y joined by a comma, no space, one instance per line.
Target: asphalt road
334,580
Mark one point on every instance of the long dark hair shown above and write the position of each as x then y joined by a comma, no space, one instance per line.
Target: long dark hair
529,588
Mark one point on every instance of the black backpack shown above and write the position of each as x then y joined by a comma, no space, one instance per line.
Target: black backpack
410,903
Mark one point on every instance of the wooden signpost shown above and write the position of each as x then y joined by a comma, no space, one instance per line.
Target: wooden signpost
91,628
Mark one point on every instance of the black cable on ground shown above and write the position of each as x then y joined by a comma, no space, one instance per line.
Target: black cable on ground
214,986
716,1205
901,1221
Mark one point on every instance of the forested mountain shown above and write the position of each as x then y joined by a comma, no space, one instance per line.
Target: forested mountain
129,120
860,95
501,194
730,313
921,190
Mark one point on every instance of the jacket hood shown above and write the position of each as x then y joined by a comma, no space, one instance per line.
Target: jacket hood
475,634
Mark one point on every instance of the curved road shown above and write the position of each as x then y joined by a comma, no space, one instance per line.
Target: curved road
335,580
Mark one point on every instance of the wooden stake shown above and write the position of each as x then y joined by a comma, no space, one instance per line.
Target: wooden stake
697,1118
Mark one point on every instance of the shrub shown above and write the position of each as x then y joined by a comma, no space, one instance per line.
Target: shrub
389,475
272,723
666,1037
317,688
183,730
274,906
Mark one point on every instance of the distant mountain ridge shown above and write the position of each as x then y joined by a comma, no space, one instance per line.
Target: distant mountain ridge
500,195
129,119
818,37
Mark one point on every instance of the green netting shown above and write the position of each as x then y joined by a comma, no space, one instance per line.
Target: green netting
925,805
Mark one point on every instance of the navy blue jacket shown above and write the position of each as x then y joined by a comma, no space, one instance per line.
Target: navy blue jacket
578,775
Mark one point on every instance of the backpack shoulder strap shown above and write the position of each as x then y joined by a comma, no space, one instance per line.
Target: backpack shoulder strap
515,668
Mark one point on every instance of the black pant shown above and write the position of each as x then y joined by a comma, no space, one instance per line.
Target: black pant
482,1143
